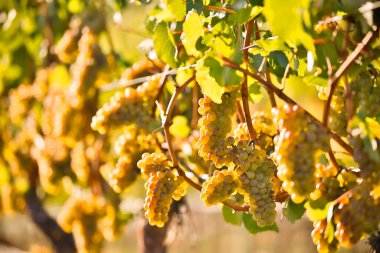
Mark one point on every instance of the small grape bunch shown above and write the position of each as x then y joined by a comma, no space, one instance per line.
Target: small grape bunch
215,124
264,131
124,174
257,188
356,214
296,150
320,238
338,120
82,215
219,187
162,187
152,163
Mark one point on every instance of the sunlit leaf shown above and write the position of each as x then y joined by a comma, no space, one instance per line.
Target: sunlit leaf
293,211
177,8
164,44
251,225
192,31
180,127
245,14
208,77
235,218
287,20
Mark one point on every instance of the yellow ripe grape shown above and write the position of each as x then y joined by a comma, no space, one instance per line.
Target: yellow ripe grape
161,188
82,215
219,187
356,215
152,163
320,239
296,150
215,124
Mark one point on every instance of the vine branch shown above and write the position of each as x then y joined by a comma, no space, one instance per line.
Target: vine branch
244,87
284,97
333,81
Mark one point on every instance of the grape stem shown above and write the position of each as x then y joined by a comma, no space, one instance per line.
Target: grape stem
333,80
215,8
244,87
167,117
161,84
284,97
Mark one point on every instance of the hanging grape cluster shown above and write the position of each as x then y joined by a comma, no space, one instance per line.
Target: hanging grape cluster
296,149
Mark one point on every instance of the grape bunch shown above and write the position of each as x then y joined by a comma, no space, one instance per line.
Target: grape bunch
296,149
255,173
337,120
161,188
264,130
324,245
85,70
152,163
82,216
367,91
219,187
125,108
368,162
356,214
215,124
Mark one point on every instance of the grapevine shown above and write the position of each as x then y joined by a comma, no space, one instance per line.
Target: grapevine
220,97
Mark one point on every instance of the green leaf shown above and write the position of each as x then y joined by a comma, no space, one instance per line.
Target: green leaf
243,15
209,78
235,218
251,225
315,211
287,20
254,92
177,8
192,31
373,127
164,44
75,6
265,46
293,211
180,127
329,232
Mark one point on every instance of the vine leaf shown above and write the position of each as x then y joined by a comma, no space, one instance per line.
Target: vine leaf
192,31
251,225
177,8
180,127
164,44
317,211
254,91
293,211
295,14
235,218
244,15
208,76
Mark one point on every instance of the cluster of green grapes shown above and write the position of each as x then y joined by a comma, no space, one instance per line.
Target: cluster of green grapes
219,187
367,89
337,120
356,215
297,147
161,188
91,220
264,130
250,170
215,124
126,108
324,244
85,70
